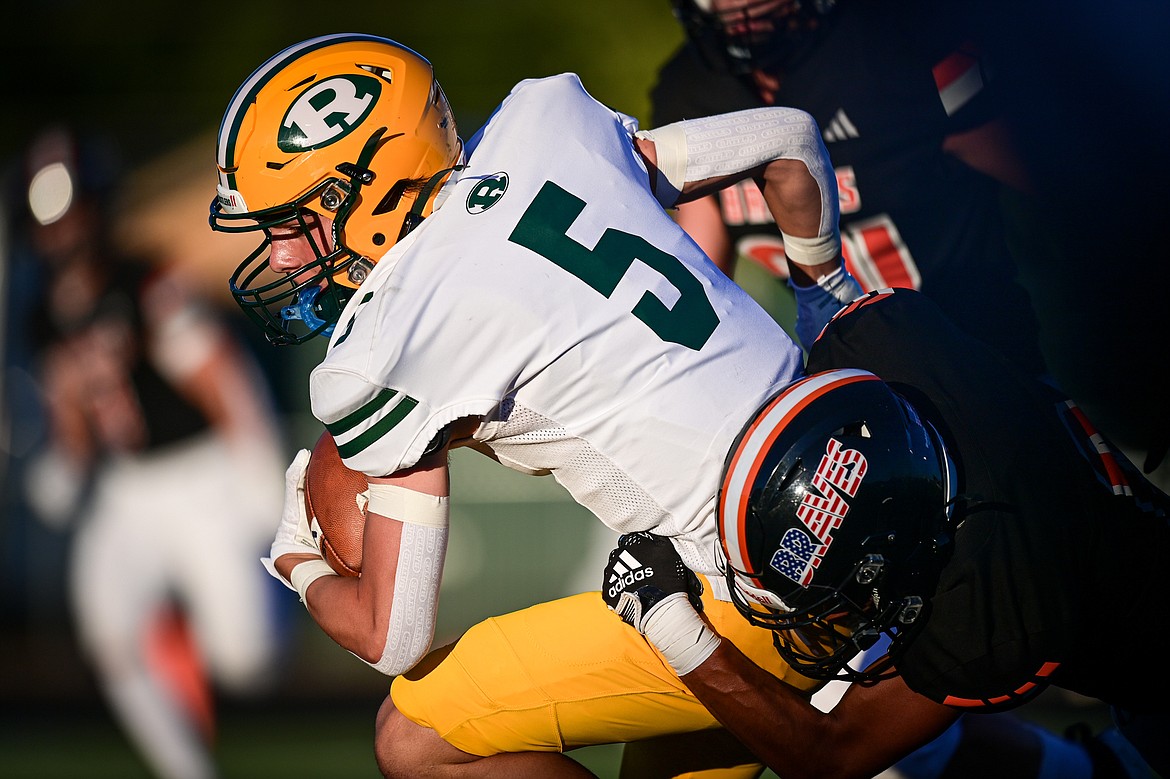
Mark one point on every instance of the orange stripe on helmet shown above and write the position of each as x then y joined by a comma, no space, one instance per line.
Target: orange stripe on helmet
861,302
752,450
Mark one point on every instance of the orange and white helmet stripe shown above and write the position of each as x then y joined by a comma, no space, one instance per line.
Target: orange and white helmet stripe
753,448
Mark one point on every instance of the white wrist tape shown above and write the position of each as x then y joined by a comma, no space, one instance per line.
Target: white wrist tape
416,598
680,634
304,574
727,144
812,251
410,506
670,146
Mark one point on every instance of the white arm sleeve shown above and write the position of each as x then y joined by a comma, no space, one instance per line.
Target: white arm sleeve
727,144
420,572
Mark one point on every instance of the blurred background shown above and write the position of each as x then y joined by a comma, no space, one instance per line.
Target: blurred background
146,83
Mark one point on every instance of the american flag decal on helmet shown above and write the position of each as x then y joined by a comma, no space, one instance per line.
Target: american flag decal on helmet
837,477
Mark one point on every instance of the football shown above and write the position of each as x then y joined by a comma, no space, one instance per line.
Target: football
336,506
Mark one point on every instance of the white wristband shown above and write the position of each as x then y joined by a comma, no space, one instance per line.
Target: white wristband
812,251
680,634
304,574
405,505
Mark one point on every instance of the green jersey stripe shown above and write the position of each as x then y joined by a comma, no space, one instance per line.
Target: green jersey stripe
404,407
354,418
349,327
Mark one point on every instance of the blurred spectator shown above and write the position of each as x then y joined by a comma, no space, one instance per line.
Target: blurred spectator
161,455
909,117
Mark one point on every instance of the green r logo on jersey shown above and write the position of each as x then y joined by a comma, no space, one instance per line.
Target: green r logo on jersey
487,192
326,112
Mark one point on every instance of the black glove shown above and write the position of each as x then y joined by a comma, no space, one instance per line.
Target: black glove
645,569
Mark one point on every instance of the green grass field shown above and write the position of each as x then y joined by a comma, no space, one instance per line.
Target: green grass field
291,739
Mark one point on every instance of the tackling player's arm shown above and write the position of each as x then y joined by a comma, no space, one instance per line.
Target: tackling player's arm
869,729
991,149
703,222
782,150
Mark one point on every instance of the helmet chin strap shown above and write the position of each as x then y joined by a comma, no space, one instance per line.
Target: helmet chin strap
320,313
414,217
359,175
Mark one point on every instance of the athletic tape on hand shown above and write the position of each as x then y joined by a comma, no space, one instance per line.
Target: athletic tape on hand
670,144
680,634
304,574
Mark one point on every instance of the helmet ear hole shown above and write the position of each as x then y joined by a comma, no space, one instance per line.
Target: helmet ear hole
392,198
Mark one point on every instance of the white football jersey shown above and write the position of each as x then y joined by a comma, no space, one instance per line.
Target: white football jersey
551,295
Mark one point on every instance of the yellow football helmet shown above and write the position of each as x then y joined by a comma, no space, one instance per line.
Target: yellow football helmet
350,127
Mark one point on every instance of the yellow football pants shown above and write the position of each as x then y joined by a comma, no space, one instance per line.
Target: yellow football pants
564,674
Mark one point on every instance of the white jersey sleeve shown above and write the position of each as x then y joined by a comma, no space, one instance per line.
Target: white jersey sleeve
553,297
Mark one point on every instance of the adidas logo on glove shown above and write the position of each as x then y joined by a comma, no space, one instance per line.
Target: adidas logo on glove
626,571
657,595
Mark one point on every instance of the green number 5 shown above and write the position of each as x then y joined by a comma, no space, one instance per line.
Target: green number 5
543,228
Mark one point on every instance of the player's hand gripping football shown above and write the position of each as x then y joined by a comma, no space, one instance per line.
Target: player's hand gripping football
647,585
294,536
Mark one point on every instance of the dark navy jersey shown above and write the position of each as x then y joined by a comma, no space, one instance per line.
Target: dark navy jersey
1056,571
886,90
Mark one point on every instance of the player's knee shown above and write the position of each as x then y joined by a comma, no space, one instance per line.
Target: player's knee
396,742
247,680
404,748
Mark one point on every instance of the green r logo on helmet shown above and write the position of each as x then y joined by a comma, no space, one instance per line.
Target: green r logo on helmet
327,111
